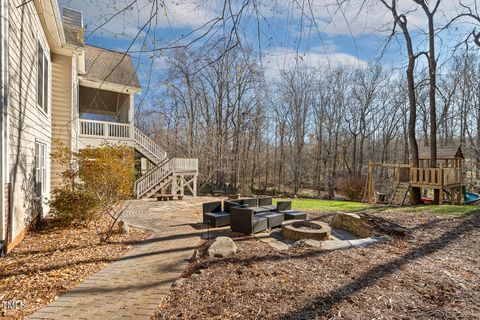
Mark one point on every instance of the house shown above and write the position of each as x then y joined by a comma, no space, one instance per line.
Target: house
57,89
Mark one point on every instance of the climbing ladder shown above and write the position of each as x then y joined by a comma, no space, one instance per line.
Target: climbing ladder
169,177
400,194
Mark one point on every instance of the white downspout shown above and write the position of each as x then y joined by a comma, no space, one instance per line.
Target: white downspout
3,115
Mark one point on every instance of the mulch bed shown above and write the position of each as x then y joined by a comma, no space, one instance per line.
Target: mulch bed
433,273
53,259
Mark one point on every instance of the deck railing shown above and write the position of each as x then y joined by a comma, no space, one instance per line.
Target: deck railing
156,175
145,142
105,130
435,176
185,165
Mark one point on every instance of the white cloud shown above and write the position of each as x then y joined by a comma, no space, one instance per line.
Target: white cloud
280,59
174,14
357,17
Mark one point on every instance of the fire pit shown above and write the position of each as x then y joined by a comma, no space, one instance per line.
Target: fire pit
305,229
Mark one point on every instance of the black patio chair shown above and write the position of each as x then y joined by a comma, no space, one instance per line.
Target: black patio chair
249,202
214,216
267,203
284,205
252,203
228,204
244,220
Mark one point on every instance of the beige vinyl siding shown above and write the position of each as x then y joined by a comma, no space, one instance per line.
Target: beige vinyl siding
62,101
27,122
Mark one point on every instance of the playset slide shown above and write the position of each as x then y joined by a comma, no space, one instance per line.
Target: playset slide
471,197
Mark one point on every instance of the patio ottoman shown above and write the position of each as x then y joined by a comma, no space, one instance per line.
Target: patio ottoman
274,219
258,210
294,214
217,219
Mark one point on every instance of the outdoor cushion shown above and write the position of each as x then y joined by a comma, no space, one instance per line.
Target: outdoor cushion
294,214
270,207
284,205
217,219
227,205
264,201
250,202
258,209
274,219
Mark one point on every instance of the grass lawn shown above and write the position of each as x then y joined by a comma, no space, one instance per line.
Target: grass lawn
315,205
327,205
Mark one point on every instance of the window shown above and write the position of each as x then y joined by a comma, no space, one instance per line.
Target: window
42,79
40,168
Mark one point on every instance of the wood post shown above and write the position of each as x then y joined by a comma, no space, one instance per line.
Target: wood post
440,193
195,186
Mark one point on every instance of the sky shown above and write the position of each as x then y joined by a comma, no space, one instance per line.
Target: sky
324,35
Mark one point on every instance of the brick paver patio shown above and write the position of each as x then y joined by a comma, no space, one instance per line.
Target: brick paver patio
132,287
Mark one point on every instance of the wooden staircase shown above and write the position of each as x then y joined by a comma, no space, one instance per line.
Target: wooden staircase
169,177
400,194
148,148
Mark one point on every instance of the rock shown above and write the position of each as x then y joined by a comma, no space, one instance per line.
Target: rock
278,245
222,247
368,241
353,223
339,198
313,243
336,245
123,227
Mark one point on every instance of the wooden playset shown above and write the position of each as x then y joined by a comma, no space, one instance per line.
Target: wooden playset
391,183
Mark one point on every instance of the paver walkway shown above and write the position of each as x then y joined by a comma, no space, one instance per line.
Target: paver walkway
132,287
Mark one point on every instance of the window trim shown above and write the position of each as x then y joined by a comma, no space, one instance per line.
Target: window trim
40,165
46,86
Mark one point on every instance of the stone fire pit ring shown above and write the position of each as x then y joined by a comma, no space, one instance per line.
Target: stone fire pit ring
305,229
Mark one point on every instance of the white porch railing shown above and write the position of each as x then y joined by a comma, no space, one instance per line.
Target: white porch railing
152,178
145,142
105,130
125,132
185,165
158,174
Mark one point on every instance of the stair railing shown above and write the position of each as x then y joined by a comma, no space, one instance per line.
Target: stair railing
152,178
149,145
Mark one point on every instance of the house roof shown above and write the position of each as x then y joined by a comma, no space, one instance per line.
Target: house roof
104,65
49,15
451,152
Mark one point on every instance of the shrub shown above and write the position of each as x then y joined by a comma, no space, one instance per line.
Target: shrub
73,206
351,187
95,183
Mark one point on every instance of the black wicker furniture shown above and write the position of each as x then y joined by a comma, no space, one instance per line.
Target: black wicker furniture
228,204
253,205
266,202
244,220
284,205
275,219
214,216
294,214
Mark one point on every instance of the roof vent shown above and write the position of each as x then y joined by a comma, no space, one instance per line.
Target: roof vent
73,17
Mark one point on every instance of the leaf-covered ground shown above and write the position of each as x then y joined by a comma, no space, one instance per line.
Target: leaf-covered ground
53,259
432,274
